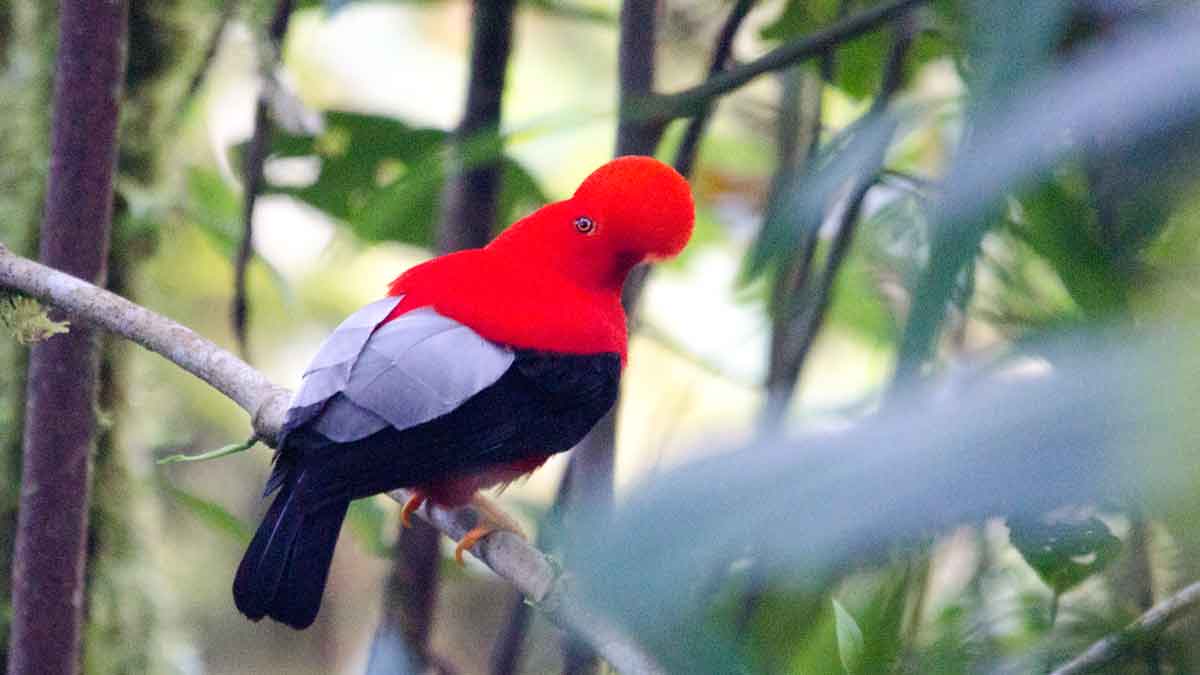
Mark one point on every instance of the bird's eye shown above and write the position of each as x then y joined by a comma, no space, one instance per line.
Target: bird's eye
585,225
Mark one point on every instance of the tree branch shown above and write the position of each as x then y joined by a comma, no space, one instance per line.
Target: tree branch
1145,629
506,554
665,107
685,157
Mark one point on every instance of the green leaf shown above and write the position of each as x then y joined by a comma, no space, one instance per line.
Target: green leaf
210,514
214,206
1059,226
368,520
384,178
377,174
858,63
849,638
211,454
1064,551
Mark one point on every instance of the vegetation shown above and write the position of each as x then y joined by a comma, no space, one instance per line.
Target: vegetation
918,398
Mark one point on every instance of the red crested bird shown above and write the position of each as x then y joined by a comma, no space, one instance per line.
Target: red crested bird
477,367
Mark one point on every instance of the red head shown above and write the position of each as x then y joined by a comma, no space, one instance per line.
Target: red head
630,210
553,280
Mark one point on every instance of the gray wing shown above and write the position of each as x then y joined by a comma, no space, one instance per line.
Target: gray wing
415,368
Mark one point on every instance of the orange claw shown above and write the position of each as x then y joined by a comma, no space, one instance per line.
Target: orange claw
414,502
469,539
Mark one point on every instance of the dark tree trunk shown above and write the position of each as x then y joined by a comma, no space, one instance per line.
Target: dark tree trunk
25,87
473,186
60,412
469,213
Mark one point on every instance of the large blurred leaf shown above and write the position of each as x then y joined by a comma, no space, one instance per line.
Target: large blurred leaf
210,513
378,174
1015,141
1060,226
849,638
1109,420
807,196
214,207
859,62
1063,551
384,178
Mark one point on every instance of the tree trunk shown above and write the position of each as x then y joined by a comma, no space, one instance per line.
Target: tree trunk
25,84
60,421
469,211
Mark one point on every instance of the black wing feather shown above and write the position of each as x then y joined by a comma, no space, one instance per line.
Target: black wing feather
543,404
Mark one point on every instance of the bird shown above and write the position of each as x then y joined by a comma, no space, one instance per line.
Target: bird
473,370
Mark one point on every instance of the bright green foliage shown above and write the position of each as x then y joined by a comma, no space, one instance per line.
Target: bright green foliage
858,65
384,178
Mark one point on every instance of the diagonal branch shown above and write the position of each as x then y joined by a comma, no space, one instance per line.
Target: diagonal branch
526,568
1144,630
689,102
685,157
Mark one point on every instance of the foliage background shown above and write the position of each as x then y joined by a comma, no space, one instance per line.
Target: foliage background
1017,296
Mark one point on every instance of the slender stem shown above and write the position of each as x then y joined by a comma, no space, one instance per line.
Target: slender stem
211,48
685,157
665,107
60,415
1128,641
252,170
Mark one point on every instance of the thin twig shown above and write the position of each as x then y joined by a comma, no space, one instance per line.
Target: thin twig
665,107
210,55
813,317
1142,631
256,156
685,157
506,554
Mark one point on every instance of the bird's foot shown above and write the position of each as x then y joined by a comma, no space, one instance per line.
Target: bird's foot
414,502
491,519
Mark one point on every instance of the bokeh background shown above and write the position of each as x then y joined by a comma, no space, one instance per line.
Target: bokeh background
994,388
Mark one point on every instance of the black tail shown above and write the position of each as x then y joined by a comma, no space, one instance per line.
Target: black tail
284,570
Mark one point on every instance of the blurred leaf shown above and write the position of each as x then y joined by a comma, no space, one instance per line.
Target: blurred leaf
805,198
849,638
1016,141
377,174
213,205
211,514
858,304
1060,226
384,178
1063,551
580,10
369,521
1110,418
858,63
